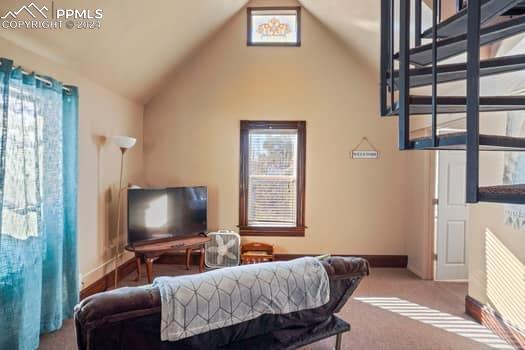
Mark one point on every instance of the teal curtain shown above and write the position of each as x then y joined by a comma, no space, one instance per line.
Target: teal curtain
38,196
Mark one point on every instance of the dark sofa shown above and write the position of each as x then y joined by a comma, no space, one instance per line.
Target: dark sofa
129,318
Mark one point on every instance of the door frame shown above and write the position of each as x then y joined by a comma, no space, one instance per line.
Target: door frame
432,167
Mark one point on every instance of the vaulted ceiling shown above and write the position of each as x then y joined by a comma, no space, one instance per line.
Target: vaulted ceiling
142,42
138,44
355,22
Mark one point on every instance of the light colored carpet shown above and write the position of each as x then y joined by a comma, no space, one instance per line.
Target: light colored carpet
391,309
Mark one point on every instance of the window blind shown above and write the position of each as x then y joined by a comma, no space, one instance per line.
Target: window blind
272,180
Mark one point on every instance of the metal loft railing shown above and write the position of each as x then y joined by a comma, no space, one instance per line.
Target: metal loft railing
419,65
472,148
404,75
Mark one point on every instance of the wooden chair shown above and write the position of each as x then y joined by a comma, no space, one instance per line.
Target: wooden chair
255,252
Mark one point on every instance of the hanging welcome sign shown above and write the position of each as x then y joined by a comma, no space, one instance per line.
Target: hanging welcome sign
367,153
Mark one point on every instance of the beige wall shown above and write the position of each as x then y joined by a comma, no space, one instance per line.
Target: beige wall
191,130
192,133
497,251
419,215
497,262
101,113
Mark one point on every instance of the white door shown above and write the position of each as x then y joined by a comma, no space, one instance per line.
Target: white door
451,240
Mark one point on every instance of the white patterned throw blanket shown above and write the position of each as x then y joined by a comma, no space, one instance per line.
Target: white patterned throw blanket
195,304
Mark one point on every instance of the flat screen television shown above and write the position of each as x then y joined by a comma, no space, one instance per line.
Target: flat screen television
167,213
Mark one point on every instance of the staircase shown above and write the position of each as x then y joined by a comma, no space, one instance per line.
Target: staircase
477,23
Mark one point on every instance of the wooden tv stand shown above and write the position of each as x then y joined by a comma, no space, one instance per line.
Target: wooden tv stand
152,251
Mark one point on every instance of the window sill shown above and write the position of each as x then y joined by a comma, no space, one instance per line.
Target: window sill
297,231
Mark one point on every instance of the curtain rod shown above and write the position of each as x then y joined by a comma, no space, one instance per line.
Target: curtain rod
44,80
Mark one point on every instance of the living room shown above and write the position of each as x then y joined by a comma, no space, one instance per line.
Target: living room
261,123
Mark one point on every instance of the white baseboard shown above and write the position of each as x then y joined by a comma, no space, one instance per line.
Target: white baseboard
89,277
